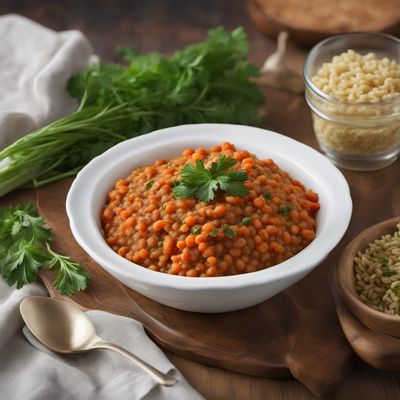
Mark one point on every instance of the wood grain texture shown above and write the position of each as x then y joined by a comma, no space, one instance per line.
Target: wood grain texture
287,335
346,281
373,335
299,31
375,348
166,25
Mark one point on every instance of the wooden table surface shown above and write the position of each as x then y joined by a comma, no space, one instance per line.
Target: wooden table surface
165,26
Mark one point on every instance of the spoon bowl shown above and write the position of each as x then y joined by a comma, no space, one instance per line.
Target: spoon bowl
63,328
58,325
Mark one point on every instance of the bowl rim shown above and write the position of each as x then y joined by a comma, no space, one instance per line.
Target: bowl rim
346,277
107,256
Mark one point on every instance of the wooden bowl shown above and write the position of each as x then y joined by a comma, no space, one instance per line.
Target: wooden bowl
346,281
308,36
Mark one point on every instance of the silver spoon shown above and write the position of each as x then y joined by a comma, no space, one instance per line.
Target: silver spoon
63,328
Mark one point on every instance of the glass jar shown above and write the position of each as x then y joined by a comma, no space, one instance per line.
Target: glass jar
361,136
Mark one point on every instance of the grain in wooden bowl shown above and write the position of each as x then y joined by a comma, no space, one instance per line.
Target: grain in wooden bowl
349,274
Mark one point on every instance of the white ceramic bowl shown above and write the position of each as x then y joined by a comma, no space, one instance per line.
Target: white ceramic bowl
218,294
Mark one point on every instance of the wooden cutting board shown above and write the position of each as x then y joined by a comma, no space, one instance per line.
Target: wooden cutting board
293,334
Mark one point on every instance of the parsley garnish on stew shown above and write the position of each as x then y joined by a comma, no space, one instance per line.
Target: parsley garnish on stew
201,182
285,210
213,232
228,231
267,195
246,221
149,184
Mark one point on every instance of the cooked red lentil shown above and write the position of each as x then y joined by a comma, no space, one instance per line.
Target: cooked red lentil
145,223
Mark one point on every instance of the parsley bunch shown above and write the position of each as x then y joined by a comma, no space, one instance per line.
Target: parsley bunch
201,182
24,248
210,81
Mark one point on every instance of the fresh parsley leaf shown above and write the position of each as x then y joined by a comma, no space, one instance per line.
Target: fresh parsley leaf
22,263
196,230
201,182
234,188
184,190
285,210
24,248
71,277
246,221
396,291
149,184
213,232
238,175
228,231
267,195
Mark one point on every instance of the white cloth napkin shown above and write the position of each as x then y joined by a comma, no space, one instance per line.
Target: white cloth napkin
30,371
35,64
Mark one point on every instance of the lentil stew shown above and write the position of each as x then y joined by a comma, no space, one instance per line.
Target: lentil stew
144,222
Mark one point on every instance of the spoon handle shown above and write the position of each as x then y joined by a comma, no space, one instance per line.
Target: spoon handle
160,377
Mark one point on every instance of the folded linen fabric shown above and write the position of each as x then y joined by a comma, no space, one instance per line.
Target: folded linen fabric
28,370
35,64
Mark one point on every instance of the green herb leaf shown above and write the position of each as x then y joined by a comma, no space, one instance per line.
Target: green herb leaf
24,248
396,291
213,232
71,277
389,273
384,260
267,195
149,184
228,231
285,210
22,263
246,221
196,230
202,182
234,188
184,191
